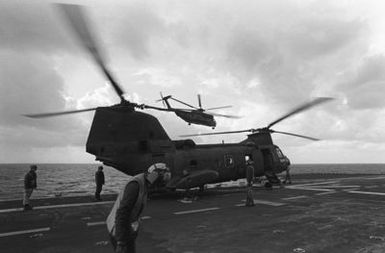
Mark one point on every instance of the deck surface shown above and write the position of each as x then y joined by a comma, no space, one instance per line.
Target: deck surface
314,214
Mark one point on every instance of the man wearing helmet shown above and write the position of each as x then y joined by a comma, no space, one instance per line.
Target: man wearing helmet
250,181
124,218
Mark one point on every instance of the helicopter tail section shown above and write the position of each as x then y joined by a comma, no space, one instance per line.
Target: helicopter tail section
118,132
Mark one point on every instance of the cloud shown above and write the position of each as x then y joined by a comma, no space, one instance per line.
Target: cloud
30,84
262,57
365,86
31,26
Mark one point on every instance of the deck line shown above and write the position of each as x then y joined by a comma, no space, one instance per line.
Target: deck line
25,231
57,206
197,210
368,193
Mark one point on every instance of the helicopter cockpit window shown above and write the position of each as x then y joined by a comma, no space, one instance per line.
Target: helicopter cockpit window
279,153
229,161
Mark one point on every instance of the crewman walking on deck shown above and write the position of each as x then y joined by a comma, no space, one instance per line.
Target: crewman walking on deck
124,219
99,180
30,184
250,181
287,177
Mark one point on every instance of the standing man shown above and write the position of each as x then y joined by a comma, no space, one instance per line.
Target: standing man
99,180
29,185
287,176
250,181
124,219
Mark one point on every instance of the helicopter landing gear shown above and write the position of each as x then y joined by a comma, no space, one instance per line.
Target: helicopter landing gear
268,186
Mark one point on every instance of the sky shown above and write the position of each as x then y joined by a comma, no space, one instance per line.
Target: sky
263,57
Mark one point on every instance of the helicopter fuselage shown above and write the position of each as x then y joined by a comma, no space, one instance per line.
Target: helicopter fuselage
197,117
132,141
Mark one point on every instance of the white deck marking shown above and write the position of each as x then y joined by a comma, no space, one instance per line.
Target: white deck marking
370,186
196,210
19,199
264,202
374,178
25,232
96,223
325,193
338,186
309,189
311,184
57,206
368,193
296,197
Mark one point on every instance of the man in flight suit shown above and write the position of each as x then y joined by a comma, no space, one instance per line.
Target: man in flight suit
250,181
124,218
29,185
99,180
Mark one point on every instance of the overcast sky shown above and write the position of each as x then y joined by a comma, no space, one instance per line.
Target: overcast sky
263,57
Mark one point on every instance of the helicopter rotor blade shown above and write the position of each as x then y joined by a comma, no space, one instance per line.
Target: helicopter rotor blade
296,135
179,101
199,101
219,107
301,108
76,19
162,98
224,115
53,114
218,133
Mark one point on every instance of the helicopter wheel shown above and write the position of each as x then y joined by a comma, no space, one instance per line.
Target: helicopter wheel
268,186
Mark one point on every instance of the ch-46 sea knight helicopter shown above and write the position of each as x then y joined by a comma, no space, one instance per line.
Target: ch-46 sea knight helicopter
195,115
131,141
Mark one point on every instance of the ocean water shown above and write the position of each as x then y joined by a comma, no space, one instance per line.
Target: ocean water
60,180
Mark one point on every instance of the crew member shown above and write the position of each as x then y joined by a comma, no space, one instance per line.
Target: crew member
250,180
124,218
29,185
99,180
287,177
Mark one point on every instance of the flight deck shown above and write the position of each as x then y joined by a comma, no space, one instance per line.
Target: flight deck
328,213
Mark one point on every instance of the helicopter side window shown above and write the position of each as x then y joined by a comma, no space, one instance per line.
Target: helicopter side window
229,161
279,153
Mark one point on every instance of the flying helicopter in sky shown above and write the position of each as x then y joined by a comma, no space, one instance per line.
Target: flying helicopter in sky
131,141
195,115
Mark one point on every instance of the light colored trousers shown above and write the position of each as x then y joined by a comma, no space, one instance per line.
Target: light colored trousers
27,195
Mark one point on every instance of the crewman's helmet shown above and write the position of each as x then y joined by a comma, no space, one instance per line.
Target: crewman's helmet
158,171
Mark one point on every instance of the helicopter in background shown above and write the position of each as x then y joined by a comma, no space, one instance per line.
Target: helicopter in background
131,141
195,115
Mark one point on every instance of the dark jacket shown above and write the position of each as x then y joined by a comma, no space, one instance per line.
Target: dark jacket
99,177
250,174
123,222
30,180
